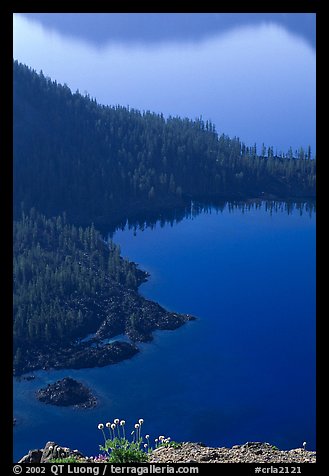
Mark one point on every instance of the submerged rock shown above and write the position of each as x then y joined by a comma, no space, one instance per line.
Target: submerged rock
67,392
28,377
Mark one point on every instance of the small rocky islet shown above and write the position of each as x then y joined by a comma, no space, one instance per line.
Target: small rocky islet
67,392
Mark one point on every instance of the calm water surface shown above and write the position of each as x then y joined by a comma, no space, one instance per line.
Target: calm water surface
243,371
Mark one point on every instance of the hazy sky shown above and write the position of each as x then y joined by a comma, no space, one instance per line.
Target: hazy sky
255,80
100,28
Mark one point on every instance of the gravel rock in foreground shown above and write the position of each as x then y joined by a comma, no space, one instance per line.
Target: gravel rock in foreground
50,451
253,452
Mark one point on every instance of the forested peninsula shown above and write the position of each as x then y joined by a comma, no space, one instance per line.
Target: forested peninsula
79,165
69,284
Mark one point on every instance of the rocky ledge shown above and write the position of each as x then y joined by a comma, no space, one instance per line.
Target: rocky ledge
49,452
67,392
252,452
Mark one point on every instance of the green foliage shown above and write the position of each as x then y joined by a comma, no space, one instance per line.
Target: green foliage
95,161
120,450
64,276
81,162
171,444
117,446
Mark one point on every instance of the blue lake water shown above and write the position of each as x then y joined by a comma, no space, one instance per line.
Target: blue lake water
243,371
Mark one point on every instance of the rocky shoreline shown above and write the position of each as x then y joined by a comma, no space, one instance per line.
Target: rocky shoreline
122,310
84,355
250,452
67,392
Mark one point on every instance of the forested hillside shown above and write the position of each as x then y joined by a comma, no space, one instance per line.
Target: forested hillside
69,283
92,161
76,163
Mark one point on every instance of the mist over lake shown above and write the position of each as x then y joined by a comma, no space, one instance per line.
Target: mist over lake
130,219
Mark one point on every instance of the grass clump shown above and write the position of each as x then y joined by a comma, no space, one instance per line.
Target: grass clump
135,449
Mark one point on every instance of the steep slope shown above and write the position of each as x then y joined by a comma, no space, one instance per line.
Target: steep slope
95,162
